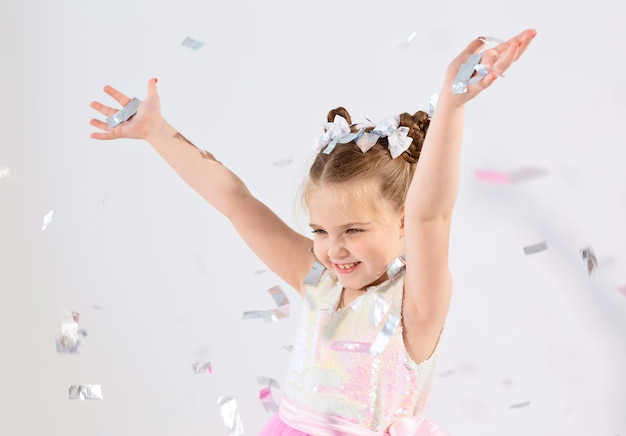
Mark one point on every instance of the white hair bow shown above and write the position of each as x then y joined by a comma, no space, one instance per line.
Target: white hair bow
337,132
398,137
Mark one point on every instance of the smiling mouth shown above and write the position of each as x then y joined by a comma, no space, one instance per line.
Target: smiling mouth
346,267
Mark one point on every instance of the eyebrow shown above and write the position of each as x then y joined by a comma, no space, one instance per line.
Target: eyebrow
345,226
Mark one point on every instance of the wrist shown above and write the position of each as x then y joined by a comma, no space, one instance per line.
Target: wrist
158,130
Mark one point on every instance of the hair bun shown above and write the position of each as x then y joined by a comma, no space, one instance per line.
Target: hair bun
342,112
418,126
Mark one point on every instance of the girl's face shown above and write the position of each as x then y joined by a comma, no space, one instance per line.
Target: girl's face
351,238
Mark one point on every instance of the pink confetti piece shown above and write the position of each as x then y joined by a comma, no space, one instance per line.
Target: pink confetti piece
47,219
492,176
622,290
353,347
265,395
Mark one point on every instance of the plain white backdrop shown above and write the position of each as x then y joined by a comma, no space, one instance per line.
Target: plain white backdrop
161,280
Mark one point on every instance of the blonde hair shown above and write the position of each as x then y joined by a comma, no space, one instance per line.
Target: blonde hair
348,165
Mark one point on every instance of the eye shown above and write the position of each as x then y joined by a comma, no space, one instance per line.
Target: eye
318,231
354,230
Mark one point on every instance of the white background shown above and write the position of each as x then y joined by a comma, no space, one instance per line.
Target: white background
161,280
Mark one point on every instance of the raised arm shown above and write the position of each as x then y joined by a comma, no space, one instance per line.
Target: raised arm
433,192
282,249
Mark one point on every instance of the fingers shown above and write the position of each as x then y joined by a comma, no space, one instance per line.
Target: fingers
152,91
474,46
104,110
117,95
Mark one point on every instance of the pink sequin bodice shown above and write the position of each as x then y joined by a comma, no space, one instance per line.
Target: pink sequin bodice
332,369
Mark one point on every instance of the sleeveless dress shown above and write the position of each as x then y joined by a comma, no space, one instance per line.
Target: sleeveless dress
350,373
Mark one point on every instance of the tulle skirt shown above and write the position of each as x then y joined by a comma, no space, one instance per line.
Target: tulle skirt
276,427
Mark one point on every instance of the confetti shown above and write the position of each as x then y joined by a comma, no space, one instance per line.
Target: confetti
283,162
5,173
384,335
267,381
409,41
124,114
622,290
491,176
519,405
69,342
230,414
315,274
525,174
446,373
395,267
289,348
262,271
531,249
85,392
191,43
491,39
590,257
379,309
265,395
47,219
272,315
200,367
463,77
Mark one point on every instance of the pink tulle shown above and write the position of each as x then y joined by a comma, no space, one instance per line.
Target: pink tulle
276,427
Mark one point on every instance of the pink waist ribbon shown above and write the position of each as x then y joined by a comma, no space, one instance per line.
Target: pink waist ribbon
311,421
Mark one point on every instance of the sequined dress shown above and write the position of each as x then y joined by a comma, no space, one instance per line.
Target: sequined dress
350,365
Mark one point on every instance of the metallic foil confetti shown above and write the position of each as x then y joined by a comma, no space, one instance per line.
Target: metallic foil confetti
525,174
69,342
519,405
262,271
459,85
315,274
230,414
47,219
446,373
352,347
191,43
279,296
289,348
200,367
283,162
432,104
408,41
267,381
590,258
531,249
5,173
491,39
85,392
379,310
384,335
265,395
124,114
395,267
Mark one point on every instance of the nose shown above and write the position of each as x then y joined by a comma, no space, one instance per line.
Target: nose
337,249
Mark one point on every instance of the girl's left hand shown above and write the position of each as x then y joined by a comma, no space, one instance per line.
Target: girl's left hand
497,60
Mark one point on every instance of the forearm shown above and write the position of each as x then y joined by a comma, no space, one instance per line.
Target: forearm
199,169
434,188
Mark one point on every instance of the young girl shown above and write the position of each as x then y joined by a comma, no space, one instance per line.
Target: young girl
375,277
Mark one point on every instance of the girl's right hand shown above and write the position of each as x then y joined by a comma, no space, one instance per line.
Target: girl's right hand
146,122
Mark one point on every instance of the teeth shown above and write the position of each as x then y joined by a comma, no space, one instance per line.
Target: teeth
346,266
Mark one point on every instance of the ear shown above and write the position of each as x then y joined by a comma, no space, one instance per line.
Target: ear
402,221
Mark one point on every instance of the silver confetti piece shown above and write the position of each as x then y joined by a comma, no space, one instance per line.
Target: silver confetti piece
315,274
265,395
491,39
124,114
531,249
395,267
200,367
409,40
519,405
47,219
525,174
379,309
191,43
459,85
590,257
289,348
432,104
383,337
257,314
69,342
5,173
230,414
85,392
267,381
283,162
446,373
278,295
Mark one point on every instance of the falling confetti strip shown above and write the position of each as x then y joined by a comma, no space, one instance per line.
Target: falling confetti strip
525,174
517,176
200,367
383,337
283,162
47,219
491,176
519,405
446,373
191,43
230,414
69,342
272,315
5,173
265,395
267,381
531,249
409,41
622,290
85,392
590,258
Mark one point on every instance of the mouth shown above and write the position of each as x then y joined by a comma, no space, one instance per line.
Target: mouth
346,268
